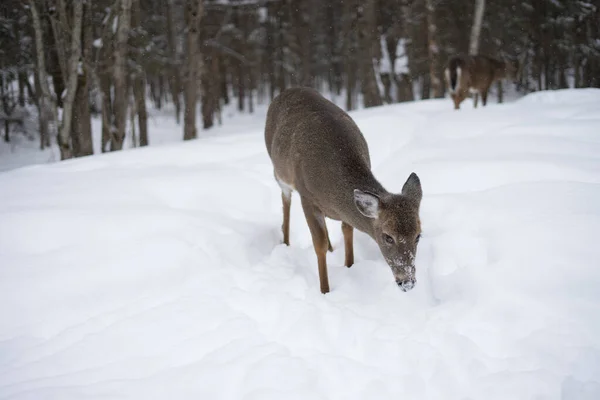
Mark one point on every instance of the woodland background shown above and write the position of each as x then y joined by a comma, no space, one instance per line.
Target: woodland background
68,61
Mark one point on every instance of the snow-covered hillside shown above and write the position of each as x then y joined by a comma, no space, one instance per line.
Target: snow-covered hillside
160,273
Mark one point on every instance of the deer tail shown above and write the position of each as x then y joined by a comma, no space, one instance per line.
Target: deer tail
453,73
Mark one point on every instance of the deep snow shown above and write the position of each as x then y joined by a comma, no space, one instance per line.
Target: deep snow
160,274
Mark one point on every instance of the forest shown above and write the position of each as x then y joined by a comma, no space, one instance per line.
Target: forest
68,61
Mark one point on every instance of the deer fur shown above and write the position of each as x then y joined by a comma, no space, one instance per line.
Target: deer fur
476,74
317,150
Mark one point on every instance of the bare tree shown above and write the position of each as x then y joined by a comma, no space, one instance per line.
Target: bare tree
434,50
139,83
81,128
71,65
120,75
174,76
476,29
349,19
194,10
368,43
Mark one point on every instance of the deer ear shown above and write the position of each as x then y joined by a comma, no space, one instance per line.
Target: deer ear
412,188
367,203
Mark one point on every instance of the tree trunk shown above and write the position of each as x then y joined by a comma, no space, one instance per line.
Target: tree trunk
349,52
40,102
270,50
194,12
174,77
107,113
404,90
5,107
241,84
280,61
139,86
46,99
120,103
387,86
425,87
22,76
434,61
81,130
64,134
476,28
43,113
210,89
223,82
367,43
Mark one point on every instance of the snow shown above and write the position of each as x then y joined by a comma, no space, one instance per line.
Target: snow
159,272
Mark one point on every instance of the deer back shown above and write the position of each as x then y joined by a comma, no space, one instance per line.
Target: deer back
317,149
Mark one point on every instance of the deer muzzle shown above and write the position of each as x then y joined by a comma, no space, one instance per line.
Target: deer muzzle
407,284
405,277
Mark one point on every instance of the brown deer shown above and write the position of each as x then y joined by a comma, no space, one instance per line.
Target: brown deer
476,74
317,150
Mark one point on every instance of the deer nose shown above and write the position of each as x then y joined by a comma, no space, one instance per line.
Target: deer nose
406,285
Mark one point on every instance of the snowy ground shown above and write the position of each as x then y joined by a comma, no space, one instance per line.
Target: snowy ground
159,273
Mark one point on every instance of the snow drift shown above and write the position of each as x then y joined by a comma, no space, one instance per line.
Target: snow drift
160,273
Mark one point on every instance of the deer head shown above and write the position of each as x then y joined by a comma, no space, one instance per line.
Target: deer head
396,227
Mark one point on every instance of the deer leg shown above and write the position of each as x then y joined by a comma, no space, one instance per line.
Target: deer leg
484,94
318,231
348,232
286,199
456,101
475,99
329,246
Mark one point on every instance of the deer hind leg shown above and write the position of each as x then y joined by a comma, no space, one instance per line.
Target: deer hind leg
286,199
348,232
484,94
456,100
459,97
318,231
329,246
475,99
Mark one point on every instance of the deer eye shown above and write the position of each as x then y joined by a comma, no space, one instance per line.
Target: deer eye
418,238
388,239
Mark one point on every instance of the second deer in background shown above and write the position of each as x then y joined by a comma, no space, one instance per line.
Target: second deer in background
476,74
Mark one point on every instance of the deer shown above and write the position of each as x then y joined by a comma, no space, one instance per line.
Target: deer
476,74
318,151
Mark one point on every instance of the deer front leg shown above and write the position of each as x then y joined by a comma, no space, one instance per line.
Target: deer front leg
286,199
475,99
348,232
318,231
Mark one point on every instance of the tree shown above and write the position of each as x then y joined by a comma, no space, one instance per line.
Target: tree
120,75
368,44
70,64
434,50
194,12
139,75
476,29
